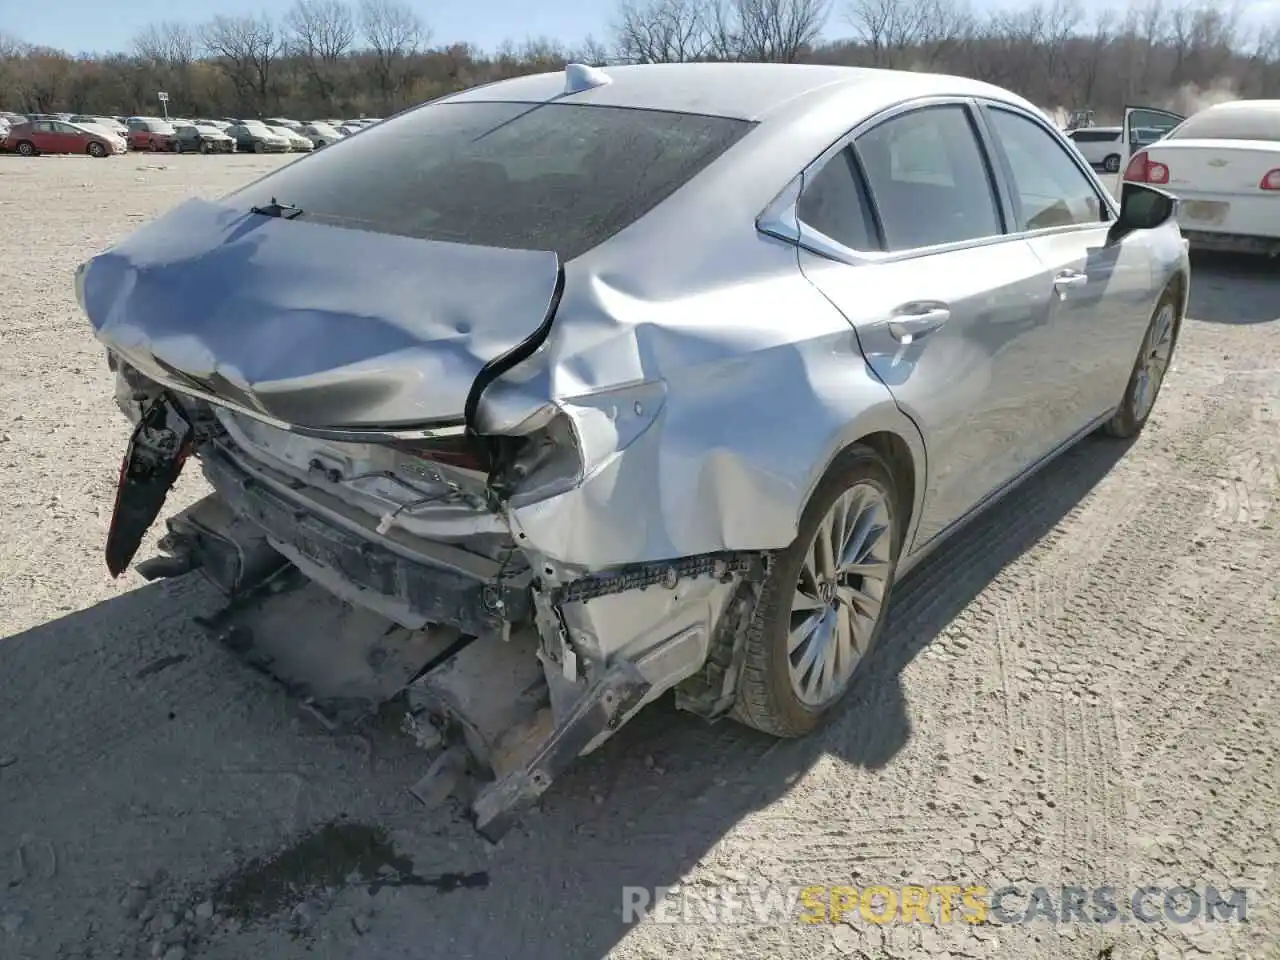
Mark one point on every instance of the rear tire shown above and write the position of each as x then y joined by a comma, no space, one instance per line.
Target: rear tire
785,689
1150,368
1112,163
96,151
27,149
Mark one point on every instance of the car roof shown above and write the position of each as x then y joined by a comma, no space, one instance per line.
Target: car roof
745,91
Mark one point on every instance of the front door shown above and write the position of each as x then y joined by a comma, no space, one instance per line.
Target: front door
1143,126
949,311
1097,295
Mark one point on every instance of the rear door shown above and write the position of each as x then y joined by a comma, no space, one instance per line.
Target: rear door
903,232
45,137
1143,126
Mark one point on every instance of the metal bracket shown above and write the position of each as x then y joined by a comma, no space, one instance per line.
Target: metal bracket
600,709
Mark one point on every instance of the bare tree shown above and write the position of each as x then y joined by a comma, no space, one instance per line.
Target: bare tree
246,48
320,34
899,33
779,31
663,31
394,33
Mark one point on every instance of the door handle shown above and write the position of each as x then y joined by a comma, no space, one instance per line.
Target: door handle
914,320
1070,278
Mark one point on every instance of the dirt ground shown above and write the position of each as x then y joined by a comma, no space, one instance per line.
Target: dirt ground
1082,690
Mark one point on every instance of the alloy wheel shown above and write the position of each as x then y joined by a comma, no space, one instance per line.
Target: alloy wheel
839,595
1157,349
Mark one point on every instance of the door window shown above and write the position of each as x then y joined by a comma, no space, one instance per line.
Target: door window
1148,126
1050,188
834,201
929,179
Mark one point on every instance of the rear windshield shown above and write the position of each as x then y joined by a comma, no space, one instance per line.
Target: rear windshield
1230,124
562,177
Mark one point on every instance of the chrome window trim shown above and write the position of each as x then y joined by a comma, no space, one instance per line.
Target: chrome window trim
780,218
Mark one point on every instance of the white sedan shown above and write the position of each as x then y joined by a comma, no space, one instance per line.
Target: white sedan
1224,166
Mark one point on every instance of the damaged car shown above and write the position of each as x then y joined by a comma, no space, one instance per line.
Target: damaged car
578,389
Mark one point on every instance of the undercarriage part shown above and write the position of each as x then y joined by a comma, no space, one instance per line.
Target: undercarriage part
600,710
230,551
489,698
435,594
152,463
343,661
711,692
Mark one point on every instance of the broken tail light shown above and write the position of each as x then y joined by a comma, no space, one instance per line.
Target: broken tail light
1270,180
1142,169
462,451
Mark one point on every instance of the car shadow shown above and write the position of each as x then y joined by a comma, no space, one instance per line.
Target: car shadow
1236,289
209,759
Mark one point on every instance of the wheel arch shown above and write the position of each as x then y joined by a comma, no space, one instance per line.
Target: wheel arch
895,437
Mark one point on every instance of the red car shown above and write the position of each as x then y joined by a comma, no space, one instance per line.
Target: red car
57,136
148,133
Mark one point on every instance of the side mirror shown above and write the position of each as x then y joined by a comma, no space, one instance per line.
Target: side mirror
1142,208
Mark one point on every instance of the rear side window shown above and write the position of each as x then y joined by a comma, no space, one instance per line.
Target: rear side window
1231,123
562,177
929,178
835,202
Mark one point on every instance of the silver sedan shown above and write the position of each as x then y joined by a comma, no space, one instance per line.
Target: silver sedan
667,372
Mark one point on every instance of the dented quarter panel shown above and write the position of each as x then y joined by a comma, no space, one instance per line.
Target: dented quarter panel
735,398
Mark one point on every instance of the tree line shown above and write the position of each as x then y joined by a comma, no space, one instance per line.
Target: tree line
334,58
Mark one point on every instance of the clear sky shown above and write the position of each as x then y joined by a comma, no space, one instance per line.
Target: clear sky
101,25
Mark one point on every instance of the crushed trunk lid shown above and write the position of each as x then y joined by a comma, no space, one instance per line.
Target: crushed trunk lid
317,326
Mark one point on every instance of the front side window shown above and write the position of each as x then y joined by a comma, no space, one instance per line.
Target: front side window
1050,188
834,202
929,178
562,177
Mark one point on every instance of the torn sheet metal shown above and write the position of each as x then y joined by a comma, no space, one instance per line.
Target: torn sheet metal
314,325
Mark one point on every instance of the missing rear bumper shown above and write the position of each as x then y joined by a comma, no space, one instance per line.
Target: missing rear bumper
416,590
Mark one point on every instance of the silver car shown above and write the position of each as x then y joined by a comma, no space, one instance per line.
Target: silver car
612,383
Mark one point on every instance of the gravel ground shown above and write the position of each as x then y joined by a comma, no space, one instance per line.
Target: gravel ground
1083,690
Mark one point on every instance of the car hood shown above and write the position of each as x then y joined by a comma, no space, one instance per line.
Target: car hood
317,326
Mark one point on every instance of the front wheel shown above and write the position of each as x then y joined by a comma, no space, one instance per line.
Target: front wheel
259,147
1112,163
1149,368
27,149
823,607
97,150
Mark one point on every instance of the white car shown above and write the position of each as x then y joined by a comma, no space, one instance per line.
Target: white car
1224,166
1101,146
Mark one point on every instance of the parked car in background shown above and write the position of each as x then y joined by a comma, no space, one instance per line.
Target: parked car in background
288,124
298,142
350,129
1223,164
254,136
321,133
601,407
1101,146
206,122
150,133
108,123
194,138
60,136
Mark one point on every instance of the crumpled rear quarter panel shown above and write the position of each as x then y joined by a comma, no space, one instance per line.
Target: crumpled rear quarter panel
745,393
